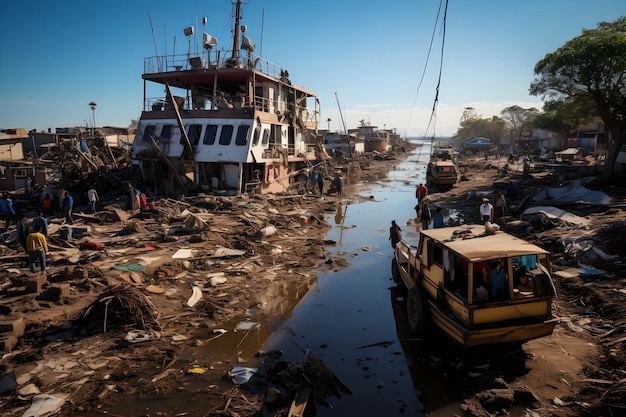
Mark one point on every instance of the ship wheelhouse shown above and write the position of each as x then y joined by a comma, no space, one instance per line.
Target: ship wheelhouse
229,120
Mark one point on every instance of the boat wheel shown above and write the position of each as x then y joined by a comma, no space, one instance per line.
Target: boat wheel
415,310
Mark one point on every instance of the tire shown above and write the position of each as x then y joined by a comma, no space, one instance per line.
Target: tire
395,271
415,311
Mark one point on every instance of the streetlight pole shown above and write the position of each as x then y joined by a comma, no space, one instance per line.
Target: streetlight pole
93,106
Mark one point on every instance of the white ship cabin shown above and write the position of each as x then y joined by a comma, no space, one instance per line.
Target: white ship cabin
229,121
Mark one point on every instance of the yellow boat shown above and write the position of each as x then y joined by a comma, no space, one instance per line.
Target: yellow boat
480,286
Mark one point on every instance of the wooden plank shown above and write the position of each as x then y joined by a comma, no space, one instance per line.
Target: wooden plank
298,405
319,365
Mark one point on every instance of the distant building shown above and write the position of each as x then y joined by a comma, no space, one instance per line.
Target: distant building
13,169
11,143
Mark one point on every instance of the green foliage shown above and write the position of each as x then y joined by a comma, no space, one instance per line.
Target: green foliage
590,68
517,118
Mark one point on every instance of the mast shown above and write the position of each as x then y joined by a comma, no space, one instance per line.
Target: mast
236,34
344,124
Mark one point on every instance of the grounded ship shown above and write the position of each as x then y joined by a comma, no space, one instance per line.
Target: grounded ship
375,139
234,124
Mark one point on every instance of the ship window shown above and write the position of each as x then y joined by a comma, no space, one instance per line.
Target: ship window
148,133
266,137
438,255
242,135
257,135
166,132
209,135
193,134
226,134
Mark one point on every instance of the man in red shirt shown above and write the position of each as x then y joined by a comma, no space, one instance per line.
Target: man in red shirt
421,191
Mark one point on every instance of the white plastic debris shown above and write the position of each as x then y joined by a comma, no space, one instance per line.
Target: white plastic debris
45,405
196,296
241,375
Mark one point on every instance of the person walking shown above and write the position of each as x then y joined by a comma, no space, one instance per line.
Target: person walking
394,234
320,182
338,183
425,215
92,196
421,191
37,247
68,205
486,210
46,204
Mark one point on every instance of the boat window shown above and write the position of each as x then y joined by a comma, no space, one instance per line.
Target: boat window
266,137
257,136
148,133
226,134
242,135
210,134
193,133
166,132
438,255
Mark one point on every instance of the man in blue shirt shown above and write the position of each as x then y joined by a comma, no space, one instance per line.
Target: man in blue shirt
40,222
6,209
498,282
68,205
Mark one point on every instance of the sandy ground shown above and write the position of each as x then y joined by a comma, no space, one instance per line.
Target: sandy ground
579,370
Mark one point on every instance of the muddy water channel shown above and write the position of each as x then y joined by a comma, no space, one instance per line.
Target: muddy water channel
353,318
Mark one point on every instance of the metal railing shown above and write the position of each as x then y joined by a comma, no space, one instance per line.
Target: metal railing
180,62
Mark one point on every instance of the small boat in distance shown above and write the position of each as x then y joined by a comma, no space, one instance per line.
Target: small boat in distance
442,169
230,121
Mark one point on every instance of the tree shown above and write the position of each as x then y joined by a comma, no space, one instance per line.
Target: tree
517,118
473,125
565,116
591,66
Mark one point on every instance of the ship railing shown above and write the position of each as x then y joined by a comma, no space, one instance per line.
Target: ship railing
265,104
210,59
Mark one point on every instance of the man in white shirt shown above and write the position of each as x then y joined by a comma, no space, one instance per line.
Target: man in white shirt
486,210
92,196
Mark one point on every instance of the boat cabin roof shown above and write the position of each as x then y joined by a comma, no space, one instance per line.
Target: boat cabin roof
471,242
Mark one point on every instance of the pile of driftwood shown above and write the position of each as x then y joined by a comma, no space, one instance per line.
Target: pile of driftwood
292,389
119,305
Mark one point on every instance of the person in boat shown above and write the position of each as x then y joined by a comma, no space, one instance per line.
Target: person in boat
421,191
498,281
486,210
438,218
482,279
394,233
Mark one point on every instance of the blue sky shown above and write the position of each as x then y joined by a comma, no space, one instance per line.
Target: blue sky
59,56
